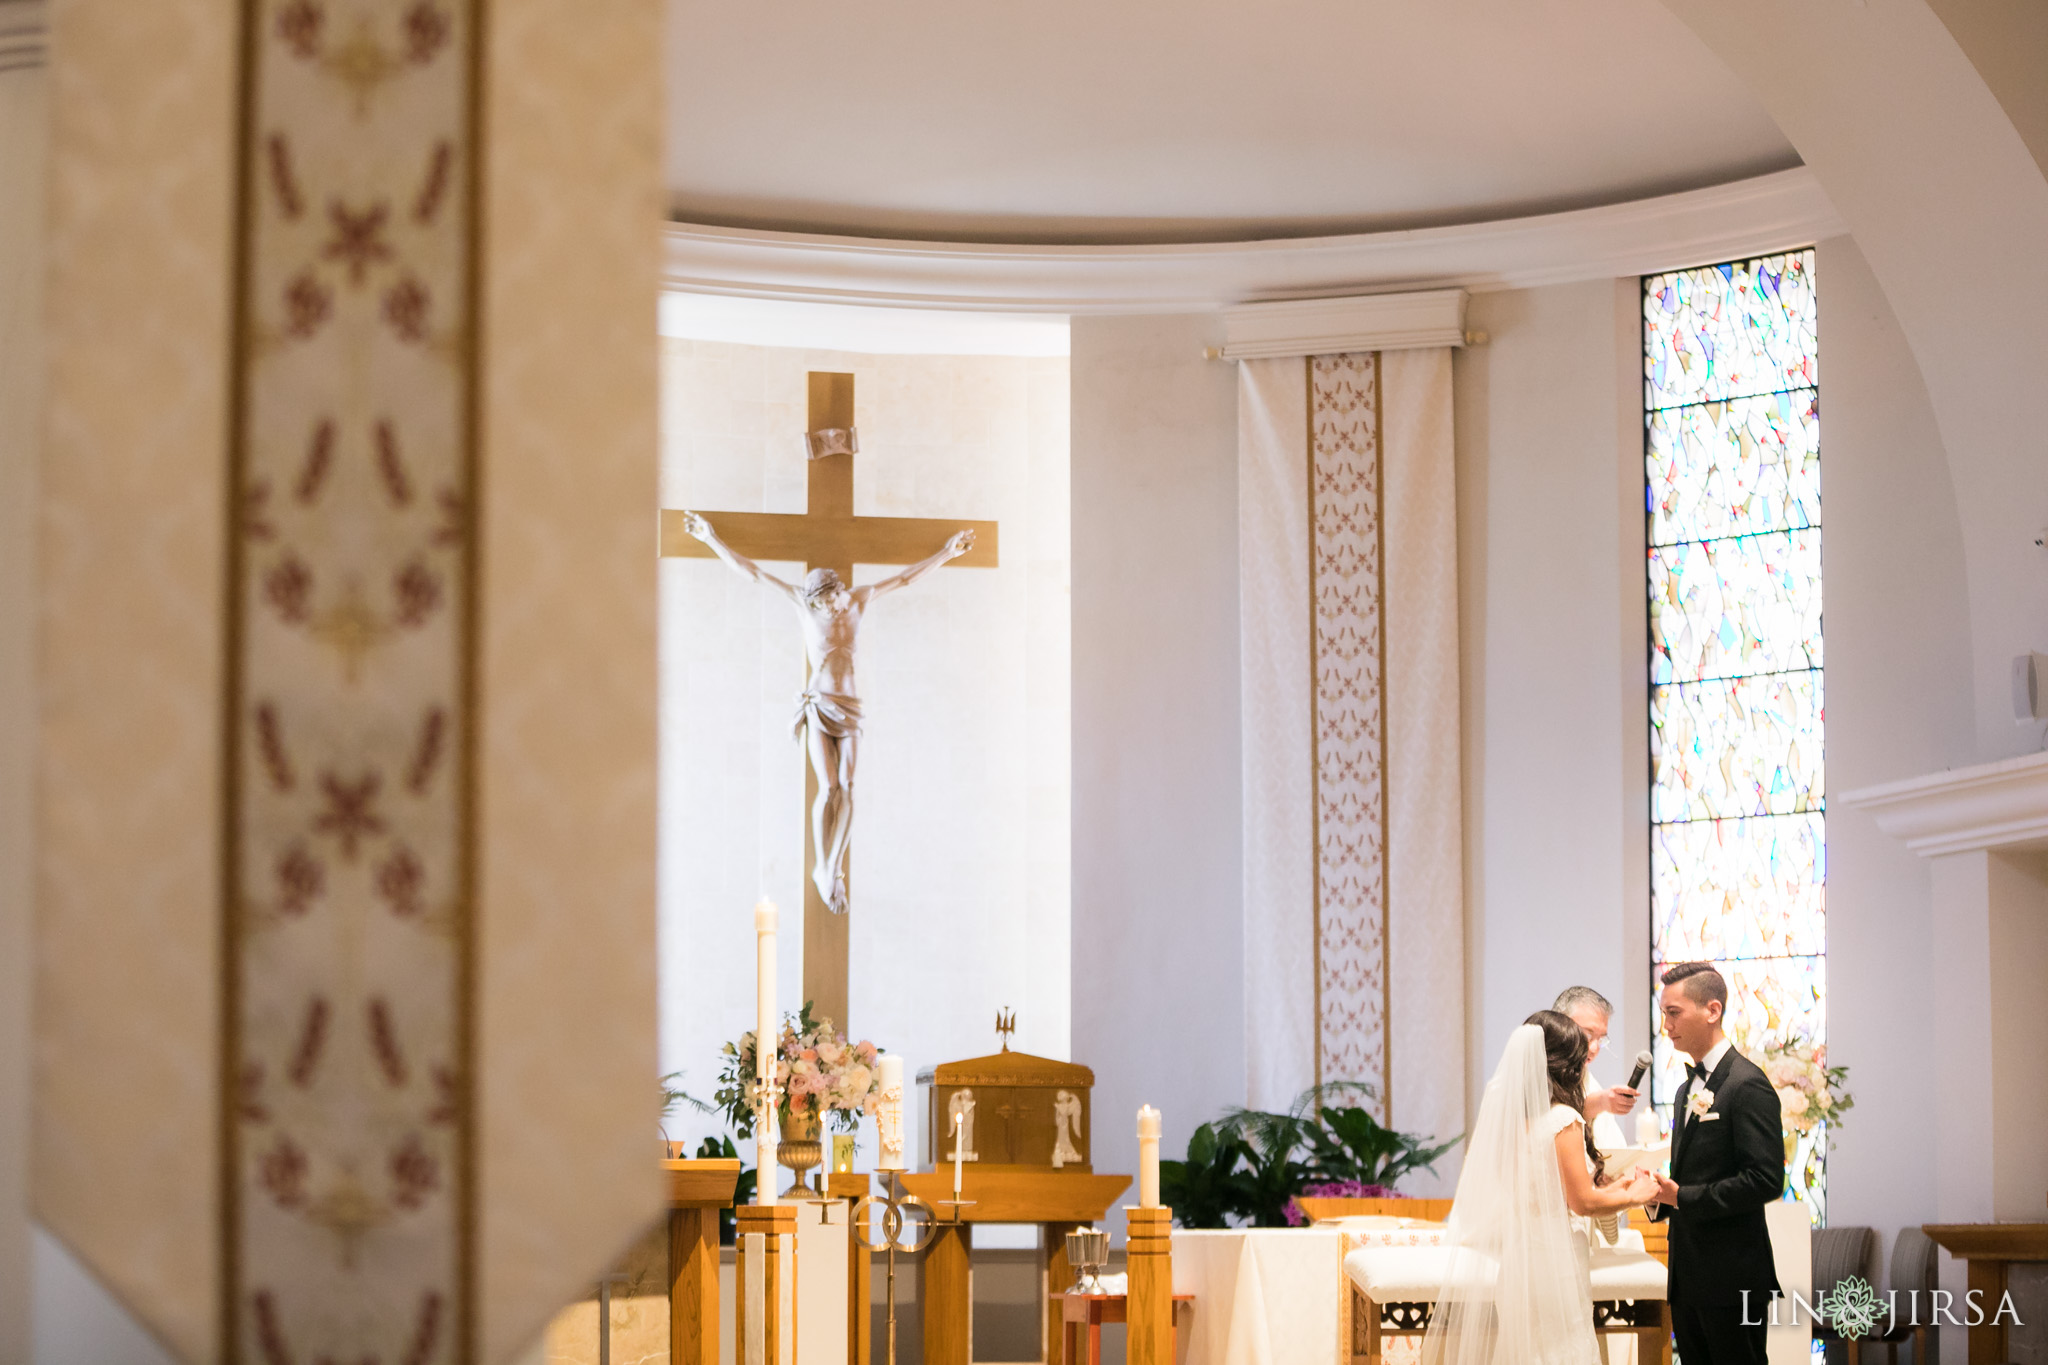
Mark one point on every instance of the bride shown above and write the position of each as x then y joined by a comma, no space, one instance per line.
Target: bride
1516,1290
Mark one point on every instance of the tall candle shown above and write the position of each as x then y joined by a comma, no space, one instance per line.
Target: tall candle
889,1113
766,1040
959,1148
1148,1158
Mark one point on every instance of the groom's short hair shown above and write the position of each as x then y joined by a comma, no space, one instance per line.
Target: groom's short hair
1701,980
1572,997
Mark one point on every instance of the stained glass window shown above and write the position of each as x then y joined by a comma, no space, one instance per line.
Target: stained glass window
1738,841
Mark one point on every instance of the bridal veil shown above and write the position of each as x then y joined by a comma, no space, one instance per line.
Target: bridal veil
1515,1289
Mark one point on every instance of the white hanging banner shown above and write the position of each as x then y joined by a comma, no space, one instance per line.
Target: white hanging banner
1354,943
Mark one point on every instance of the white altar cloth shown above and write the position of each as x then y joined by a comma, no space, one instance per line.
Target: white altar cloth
1263,1296
823,1246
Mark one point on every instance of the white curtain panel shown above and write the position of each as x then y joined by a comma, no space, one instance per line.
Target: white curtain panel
1354,922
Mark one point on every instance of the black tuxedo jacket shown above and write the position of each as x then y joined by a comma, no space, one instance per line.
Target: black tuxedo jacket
1728,1166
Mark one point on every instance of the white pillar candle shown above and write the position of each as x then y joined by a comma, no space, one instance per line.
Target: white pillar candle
766,1040
889,1113
1148,1158
959,1149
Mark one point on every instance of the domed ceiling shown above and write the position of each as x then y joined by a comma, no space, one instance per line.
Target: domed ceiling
1107,121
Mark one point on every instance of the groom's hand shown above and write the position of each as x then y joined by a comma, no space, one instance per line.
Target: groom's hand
1667,1191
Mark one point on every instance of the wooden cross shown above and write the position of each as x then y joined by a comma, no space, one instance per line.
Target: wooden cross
827,535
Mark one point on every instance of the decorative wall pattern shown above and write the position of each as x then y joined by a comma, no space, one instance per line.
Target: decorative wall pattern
1348,654
351,675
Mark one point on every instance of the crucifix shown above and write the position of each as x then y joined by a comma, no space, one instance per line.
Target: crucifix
829,540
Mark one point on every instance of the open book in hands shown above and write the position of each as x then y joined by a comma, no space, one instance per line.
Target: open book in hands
1620,1161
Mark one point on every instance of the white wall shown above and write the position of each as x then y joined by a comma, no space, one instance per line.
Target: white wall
77,1322
1898,703
1158,995
1552,615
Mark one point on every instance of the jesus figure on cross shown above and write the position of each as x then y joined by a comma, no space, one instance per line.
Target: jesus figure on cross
828,712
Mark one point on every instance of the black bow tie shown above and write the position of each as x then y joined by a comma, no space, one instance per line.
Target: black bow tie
1694,1072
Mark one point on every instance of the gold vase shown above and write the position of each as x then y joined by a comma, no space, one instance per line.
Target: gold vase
800,1150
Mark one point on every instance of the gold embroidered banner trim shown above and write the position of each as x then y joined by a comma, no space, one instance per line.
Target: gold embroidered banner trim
1348,720
349,825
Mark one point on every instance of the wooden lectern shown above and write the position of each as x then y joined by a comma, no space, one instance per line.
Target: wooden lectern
1987,1250
697,1190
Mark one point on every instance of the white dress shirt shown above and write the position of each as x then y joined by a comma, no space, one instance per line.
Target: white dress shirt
1714,1056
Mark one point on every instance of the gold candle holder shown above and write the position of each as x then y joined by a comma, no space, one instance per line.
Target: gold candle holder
900,1213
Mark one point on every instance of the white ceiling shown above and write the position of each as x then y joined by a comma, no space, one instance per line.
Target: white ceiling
1190,120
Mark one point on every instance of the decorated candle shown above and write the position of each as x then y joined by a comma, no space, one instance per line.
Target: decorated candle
889,1113
1148,1158
766,1044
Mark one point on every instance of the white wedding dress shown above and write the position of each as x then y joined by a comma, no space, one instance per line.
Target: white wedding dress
1516,1291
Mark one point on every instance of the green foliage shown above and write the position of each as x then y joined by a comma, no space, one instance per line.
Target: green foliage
728,1221
1349,1144
673,1094
1204,1190
1248,1166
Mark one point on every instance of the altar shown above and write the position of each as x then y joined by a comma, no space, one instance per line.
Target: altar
1263,1296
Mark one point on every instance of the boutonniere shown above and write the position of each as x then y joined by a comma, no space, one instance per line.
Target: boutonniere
1699,1102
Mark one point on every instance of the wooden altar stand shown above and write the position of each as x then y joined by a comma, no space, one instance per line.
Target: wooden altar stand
697,1190
1987,1250
1058,1201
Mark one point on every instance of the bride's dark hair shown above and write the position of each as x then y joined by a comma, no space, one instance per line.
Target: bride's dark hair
1564,1057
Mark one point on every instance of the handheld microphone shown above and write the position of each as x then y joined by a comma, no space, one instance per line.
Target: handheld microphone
1635,1078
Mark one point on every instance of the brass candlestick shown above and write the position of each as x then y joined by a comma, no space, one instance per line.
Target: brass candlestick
898,1210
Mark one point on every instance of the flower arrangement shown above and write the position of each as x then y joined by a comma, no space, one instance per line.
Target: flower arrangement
1810,1092
818,1075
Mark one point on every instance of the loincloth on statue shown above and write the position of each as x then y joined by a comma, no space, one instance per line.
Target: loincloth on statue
835,715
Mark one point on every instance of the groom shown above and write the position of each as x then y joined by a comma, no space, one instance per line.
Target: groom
1727,1163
